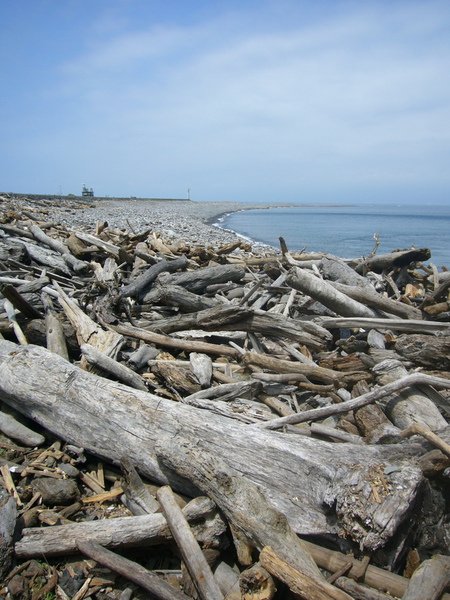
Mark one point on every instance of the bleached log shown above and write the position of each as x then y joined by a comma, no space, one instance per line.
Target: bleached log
370,297
76,264
410,405
386,262
408,326
429,580
111,366
192,555
121,532
95,413
324,292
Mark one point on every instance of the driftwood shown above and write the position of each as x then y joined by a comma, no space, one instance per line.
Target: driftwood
120,533
386,262
191,553
139,287
139,419
231,493
74,263
324,292
132,571
409,406
429,580
411,326
432,352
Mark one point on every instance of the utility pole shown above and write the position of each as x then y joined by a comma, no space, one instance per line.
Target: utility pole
189,194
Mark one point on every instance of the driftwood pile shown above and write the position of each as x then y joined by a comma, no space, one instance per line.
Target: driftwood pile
295,407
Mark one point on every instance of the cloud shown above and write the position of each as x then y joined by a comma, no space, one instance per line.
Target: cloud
351,98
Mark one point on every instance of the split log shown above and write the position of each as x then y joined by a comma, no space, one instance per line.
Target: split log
324,292
120,533
95,413
305,587
99,243
387,262
408,406
87,330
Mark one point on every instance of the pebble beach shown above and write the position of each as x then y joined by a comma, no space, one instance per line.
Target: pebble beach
187,220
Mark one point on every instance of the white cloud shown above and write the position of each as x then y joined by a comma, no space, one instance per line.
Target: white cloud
359,97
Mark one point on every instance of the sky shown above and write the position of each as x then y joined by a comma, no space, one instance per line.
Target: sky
259,101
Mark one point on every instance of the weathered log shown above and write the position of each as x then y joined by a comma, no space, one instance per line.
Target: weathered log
201,365
408,406
19,432
121,532
193,558
19,302
168,342
87,330
94,413
8,516
175,295
99,243
112,367
426,350
278,365
386,262
256,583
370,297
157,587
139,287
300,583
76,264
46,257
56,341
196,281
135,490
429,580
240,500
409,326
324,292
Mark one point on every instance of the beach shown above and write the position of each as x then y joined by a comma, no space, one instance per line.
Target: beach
187,220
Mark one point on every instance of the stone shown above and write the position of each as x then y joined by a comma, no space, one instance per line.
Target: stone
56,491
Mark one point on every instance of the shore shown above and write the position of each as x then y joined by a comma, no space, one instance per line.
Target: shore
176,219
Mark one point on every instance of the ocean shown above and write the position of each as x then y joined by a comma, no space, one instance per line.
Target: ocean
348,231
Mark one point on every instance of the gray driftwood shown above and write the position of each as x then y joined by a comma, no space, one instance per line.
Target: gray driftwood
95,413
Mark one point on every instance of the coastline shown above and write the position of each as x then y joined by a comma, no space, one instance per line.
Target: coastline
187,220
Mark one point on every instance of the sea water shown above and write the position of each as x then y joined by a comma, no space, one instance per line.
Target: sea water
348,231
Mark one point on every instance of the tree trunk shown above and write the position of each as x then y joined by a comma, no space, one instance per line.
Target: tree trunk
111,421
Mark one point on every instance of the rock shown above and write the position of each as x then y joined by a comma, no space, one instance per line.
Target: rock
56,491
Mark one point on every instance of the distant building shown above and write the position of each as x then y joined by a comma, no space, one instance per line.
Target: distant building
87,191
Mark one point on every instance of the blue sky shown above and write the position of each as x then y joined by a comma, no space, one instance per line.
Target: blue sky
324,101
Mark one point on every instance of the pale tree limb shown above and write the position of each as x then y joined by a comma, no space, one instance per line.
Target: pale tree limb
192,555
316,414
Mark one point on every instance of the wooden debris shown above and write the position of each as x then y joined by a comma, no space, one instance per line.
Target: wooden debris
304,394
